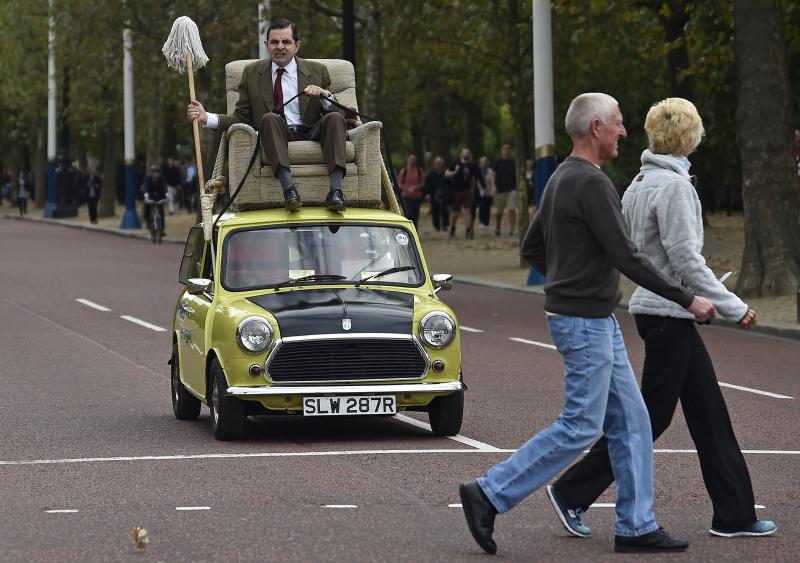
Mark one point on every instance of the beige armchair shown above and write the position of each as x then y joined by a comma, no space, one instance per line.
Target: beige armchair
362,183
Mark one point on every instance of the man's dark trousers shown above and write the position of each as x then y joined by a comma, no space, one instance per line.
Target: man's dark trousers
677,366
330,131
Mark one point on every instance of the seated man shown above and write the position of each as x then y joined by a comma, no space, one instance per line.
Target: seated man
267,93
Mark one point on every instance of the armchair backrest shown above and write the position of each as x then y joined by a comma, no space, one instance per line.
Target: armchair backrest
343,80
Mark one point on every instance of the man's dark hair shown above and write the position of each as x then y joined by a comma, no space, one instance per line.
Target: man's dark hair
282,23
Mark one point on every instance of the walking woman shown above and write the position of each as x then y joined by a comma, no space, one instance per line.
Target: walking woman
412,182
663,215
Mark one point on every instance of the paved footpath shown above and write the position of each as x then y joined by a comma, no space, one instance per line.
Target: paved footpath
91,449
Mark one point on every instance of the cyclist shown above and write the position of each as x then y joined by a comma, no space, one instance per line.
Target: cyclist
155,193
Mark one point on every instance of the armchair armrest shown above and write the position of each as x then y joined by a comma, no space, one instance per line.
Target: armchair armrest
241,144
367,141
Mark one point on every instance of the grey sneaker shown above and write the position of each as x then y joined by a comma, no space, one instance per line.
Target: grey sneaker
570,517
756,529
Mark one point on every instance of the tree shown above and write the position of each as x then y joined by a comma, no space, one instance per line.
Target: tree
771,260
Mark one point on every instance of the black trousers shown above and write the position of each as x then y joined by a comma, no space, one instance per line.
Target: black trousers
677,367
440,213
411,207
91,204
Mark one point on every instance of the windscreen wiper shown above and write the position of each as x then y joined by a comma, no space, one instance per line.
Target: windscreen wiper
312,277
386,273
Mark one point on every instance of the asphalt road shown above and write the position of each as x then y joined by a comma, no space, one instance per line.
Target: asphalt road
90,448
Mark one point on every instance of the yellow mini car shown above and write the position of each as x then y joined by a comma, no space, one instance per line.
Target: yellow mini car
313,313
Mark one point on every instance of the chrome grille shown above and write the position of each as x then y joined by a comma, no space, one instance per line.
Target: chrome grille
351,358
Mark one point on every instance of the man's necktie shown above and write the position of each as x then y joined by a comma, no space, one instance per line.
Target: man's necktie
277,94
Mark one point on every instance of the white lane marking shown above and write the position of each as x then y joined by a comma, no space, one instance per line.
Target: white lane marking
84,337
192,508
470,329
341,506
721,384
542,344
93,305
62,511
455,505
612,505
140,322
756,391
312,454
247,455
458,437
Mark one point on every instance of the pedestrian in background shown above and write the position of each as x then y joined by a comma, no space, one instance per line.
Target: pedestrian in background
172,177
578,240
91,194
530,184
437,188
189,188
463,175
412,184
663,214
22,194
154,185
505,169
486,192
797,149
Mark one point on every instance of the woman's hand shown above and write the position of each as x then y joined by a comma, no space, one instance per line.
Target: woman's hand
748,320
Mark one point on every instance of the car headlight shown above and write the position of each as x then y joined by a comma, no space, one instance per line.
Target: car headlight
254,335
437,329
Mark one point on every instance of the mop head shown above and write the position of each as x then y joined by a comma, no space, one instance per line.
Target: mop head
184,37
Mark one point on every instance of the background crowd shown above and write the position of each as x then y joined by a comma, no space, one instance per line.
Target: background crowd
486,191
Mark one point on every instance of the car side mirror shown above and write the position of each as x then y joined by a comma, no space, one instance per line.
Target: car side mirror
196,286
442,281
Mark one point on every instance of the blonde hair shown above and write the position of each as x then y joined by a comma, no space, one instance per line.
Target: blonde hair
674,127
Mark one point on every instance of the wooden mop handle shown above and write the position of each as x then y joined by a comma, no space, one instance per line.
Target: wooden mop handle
195,126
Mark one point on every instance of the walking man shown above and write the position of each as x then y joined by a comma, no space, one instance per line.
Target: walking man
505,169
578,240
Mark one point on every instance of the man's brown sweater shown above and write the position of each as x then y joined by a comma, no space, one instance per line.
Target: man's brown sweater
579,241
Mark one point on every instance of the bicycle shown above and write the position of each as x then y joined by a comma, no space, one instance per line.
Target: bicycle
157,220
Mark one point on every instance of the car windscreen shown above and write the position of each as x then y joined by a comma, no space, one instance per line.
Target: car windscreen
265,257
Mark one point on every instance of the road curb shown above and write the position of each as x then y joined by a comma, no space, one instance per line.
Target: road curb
771,328
87,227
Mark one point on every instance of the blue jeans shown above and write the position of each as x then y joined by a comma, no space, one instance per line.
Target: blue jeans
601,396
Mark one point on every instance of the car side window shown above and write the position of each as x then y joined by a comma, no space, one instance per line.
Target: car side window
192,264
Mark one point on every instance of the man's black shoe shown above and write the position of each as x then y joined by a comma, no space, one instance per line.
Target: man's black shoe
654,542
292,198
480,514
335,200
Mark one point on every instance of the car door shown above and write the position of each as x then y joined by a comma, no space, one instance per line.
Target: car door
190,319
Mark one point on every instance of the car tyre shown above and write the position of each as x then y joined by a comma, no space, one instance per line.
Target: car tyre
446,413
185,405
227,413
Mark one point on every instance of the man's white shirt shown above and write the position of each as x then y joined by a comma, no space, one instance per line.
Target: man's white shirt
289,88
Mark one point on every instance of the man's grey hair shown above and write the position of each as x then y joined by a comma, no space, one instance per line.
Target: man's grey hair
585,108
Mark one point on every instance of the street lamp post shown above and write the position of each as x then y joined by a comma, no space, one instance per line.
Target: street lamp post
51,116
130,220
544,131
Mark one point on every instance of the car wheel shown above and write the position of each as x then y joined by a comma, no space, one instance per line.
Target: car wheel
185,405
227,413
446,413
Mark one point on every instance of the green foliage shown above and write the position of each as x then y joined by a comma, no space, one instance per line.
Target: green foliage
450,67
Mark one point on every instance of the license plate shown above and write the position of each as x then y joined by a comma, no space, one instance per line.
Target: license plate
348,406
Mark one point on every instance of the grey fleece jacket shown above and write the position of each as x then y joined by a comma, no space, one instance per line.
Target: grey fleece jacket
663,215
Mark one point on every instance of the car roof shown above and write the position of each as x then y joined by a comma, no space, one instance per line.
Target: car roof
308,214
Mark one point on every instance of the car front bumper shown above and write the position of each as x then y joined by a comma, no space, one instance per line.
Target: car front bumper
305,390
